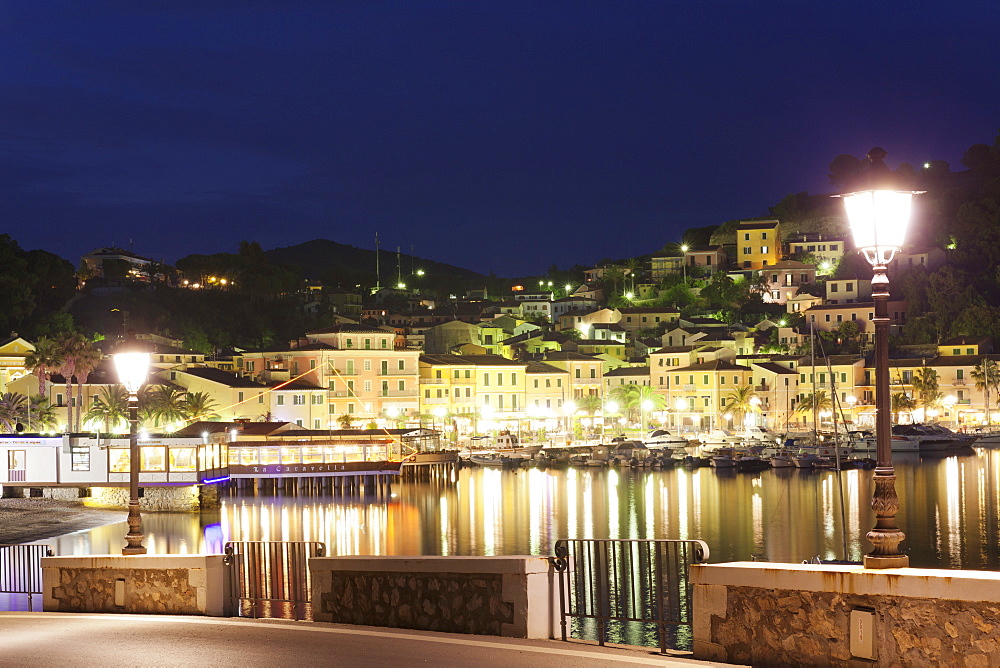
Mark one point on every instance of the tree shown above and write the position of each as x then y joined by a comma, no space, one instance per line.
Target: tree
166,406
199,406
87,359
987,377
43,360
41,414
814,402
345,421
925,387
13,410
110,408
742,401
70,346
901,402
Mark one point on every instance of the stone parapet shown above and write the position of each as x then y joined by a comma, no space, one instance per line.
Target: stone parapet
506,596
789,614
193,584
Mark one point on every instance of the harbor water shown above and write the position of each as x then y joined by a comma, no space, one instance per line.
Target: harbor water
949,512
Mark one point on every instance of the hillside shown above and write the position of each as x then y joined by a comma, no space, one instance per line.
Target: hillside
336,262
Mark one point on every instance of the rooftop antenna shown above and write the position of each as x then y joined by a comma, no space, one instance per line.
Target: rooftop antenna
378,276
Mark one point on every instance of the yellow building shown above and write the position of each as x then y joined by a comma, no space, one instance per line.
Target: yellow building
758,243
13,351
467,384
698,393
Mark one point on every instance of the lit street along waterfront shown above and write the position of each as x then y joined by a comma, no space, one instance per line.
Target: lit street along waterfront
948,511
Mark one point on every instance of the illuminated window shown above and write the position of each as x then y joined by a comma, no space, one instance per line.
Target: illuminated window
153,458
183,459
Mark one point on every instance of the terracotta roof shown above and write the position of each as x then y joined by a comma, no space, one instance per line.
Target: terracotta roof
221,377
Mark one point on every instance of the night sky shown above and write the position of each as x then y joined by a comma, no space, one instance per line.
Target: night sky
503,136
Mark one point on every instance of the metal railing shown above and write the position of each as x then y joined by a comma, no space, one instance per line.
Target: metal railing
627,591
21,569
271,578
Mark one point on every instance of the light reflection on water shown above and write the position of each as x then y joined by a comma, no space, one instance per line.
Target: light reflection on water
949,512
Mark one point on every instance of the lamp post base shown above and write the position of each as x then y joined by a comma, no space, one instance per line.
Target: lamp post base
898,561
134,536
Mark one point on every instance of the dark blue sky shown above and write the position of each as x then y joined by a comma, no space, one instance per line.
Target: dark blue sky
502,136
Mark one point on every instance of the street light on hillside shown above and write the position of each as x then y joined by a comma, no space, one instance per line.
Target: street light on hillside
684,261
879,212
132,363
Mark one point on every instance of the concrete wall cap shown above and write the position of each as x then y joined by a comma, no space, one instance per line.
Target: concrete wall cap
139,562
847,579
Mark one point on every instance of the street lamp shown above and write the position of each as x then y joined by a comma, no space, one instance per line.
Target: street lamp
680,405
646,407
879,211
569,409
132,363
684,262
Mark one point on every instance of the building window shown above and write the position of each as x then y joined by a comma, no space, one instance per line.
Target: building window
747,250
368,386
764,250
298,400
368,344
281,400
746,236
239,397
401,365
401,385
368,365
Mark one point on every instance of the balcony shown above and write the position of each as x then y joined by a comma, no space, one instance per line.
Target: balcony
399,394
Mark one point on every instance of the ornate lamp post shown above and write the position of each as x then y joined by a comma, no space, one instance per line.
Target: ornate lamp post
132,363
879,212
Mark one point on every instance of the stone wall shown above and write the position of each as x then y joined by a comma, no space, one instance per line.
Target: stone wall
170,584
61,493
785,614
457,603
153,499
506,596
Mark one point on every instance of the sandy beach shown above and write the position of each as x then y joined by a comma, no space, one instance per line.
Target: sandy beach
26,520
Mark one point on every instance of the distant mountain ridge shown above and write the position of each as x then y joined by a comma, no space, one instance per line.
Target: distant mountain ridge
321,257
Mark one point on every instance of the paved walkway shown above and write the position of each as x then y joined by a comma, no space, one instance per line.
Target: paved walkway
61,639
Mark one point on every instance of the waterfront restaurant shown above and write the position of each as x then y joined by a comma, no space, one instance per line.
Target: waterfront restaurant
276,449
90,460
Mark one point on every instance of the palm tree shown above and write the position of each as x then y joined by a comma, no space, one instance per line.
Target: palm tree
345,421
69,345
901,403
13,409
925,387
43,360
626,398
987,377
200,406
41,414
741,401
632,265
589,405
87,359
814,403
111,407
166,405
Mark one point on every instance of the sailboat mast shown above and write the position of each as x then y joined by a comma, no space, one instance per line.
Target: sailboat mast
815,407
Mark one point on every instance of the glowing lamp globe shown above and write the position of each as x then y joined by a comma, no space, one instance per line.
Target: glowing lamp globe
132,364
879,210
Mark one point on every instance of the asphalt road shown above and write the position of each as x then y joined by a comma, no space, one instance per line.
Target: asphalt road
58,639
